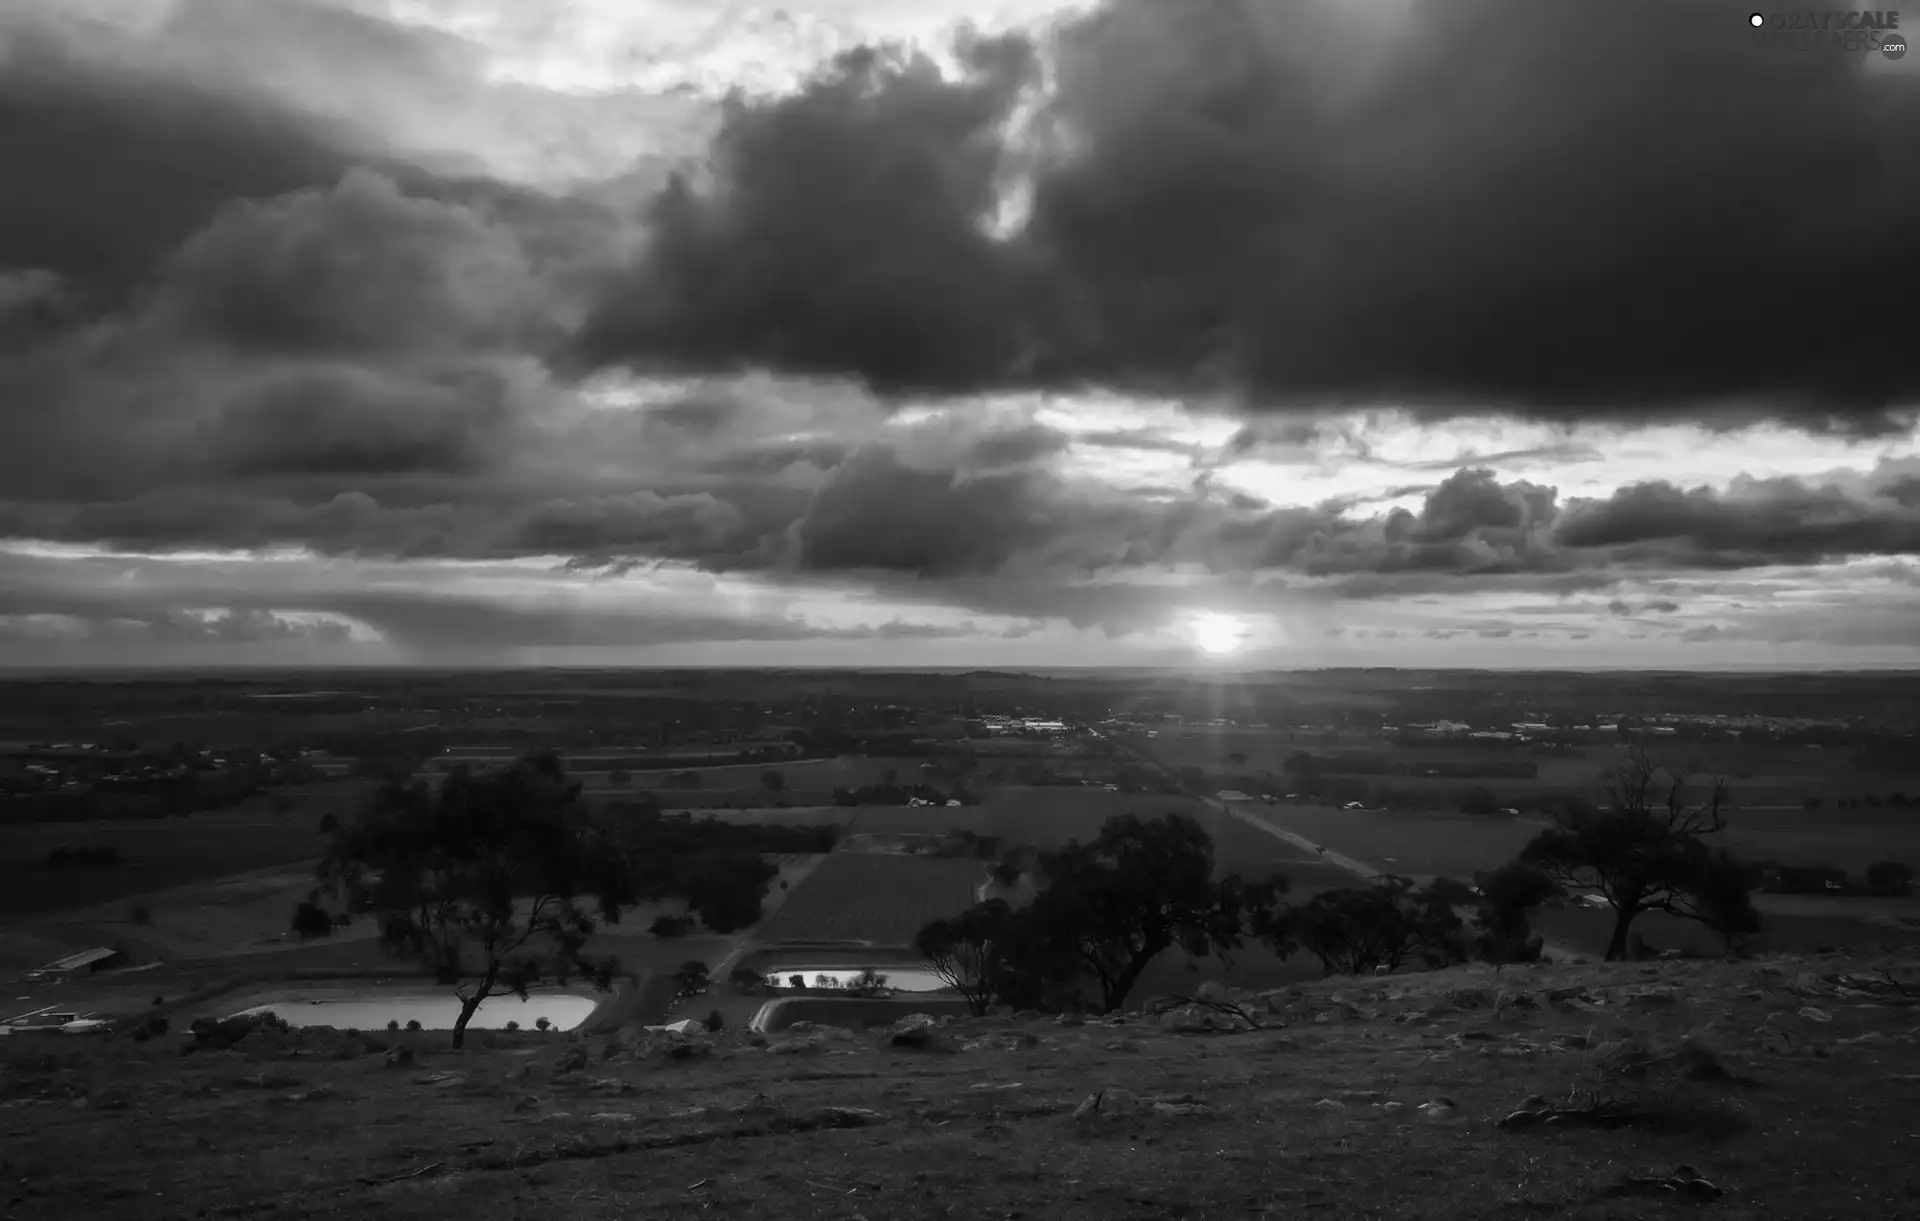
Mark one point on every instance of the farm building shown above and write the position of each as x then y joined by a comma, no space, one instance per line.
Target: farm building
78,964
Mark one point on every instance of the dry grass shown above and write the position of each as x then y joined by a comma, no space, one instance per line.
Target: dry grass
1291,1121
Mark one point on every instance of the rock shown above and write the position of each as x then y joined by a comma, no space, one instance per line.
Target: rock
1108,1104
1815,1015
918,1037
572,1060
1441,1110
611,1117
525,1103
1359,1096
847,1117
1329,1104
1389,1108
1121,1045
1180,1106
1070,1019
691,1051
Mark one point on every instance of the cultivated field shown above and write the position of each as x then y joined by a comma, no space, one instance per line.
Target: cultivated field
1047,816
162,852
1417,845
876,898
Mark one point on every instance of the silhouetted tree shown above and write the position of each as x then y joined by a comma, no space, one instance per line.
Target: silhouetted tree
1358,929
481,880
1646,851
968,951
1140,888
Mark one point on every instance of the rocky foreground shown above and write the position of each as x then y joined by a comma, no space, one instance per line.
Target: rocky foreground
1786,1088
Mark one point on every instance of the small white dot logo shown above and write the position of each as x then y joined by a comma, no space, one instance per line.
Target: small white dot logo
1756,20
1893,46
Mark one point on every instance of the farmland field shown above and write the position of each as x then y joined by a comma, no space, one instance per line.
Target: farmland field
1412,844
876,898
1048,816
161,852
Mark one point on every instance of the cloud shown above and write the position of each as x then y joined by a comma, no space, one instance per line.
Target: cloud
1755,522
1215,203
116,156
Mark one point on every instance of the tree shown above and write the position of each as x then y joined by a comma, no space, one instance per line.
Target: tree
1646,850
1506,896
1479,800
310,920
691,977
968,951
868,982
1359,929
773,782
1893,879
482,881
1140,888
747,980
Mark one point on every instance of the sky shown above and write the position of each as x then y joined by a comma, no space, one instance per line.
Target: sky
919,333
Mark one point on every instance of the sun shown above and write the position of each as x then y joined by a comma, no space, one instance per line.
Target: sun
1218,635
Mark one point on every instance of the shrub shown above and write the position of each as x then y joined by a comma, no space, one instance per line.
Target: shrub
393,1025
543,1024
715,1022
512,1024
670,926
413,1024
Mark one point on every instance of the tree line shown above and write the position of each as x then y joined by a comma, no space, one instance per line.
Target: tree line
496,881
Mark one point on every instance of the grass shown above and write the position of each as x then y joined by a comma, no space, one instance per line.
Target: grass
877,898
1289,1120
161,852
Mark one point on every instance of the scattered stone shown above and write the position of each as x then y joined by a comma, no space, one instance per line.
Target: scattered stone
525,1103
611,1117
848,1117
1108,1104
1441,1110
1329,1104
1180,1106
1358,1096
1070,1019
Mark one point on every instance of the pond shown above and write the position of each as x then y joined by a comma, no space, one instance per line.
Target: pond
900,979
432,1011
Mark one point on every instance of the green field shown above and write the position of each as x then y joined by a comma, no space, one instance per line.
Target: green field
878,898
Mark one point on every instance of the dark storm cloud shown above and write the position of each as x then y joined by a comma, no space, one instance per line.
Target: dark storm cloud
1756,522
1328,203
359,268
113,160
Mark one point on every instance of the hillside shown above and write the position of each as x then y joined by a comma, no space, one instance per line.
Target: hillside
1787,1087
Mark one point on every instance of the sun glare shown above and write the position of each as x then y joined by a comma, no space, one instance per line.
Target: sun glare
1217,635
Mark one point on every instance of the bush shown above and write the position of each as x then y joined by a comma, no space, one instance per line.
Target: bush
671,926
413,1024
542,1024
310,921
1890,878
715,1023
512,1024
393,1025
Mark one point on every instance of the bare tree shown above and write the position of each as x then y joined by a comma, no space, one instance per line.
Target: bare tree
1646,850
